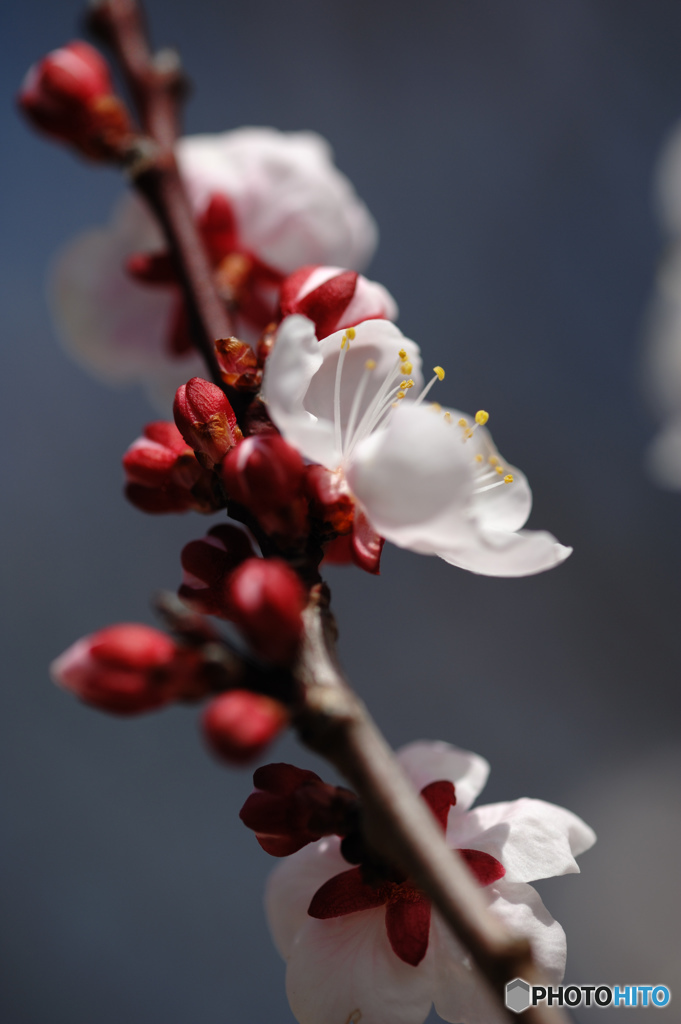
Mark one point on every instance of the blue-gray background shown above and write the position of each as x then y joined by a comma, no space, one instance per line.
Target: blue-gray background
506,148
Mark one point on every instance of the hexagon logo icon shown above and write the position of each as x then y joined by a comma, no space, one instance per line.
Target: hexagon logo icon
517,995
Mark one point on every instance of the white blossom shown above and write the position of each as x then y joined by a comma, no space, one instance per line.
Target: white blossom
291,206
346,965
427,478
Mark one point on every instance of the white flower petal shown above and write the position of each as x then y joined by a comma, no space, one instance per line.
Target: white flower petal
414,480
521,909
491,553
531,838
428,761
344,970
459,992
292,885
293,362
292,205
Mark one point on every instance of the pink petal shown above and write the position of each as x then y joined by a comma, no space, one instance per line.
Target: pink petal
486,869
345,894
408,924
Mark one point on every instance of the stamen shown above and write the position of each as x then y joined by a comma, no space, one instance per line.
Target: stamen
462,423
436,406
357,400
448,417
377,406
439,375
481,417
508,479
493,460
338,436
478,457
406,368
351,333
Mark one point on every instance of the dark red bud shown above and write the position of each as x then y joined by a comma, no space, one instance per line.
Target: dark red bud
265,475
325,304
127,669
292,807
205,419
208,563
266,600
239,725
69,95
330,500
163,473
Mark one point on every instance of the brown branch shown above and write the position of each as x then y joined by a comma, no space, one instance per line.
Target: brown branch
332,720
397,824
155,85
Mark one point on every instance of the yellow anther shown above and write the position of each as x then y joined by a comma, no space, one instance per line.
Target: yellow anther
439,372
467,433
508,479
406,369
492,460
345,342
436,406
462,423
400,394
407,384
351,333
481,417
370,364
499,470
448,417
478,458
402,354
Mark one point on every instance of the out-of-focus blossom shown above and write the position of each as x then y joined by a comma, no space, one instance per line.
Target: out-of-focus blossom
362,947
334,298
69,95
239,725
423,477
267,202
664,325
128,668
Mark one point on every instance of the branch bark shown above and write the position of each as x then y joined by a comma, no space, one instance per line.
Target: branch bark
331,720
156,85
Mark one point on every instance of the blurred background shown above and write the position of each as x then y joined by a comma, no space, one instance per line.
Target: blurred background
507,150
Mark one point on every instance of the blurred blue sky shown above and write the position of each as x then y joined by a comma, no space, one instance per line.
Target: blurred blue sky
507,149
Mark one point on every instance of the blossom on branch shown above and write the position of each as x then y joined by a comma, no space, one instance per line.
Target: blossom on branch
423,477
365,944
266,203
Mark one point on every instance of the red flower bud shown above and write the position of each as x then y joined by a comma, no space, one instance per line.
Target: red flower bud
335,299
163,473
292,807
206,420
238,363
239,725
69,94
127,668
265,475
266,599
208,563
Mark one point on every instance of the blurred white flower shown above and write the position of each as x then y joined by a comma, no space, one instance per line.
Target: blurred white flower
378,953
266,202
426,478
664,325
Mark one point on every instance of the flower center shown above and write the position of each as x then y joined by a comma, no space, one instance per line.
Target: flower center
488,471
